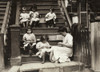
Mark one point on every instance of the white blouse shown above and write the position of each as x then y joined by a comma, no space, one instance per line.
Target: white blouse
50,16
29,37
39,45
68,39
34,14
24,16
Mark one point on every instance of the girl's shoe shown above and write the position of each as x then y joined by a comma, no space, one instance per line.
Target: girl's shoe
57,61
43,62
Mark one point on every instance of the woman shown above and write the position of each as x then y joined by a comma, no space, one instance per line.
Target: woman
63,51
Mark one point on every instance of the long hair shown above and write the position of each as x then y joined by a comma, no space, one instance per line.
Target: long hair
44,37
62,29
34,6
28,29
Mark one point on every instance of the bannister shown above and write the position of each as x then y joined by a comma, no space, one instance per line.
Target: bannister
6,18
61,3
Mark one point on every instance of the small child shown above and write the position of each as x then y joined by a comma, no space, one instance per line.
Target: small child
24,18
43,46
34,17
50,18
29,42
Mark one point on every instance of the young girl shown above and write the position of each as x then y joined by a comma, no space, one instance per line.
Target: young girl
43,46
50,18
24,18
29,42
34,15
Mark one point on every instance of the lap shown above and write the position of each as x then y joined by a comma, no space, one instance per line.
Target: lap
62,50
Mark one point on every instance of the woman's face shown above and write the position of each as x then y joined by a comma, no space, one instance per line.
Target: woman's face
62,33
29,31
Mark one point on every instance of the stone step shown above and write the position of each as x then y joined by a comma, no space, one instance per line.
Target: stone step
43,4
13,69
41,1
59,16
52,67
42,7
1,17
45,12
30,59
0,28
41,30
58,24
2,13
3,3
47,7
1,22
2,6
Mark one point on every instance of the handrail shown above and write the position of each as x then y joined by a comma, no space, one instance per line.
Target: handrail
66,13
5,20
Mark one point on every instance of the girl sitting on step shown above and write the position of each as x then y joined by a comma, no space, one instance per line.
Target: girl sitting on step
50,18
34,17
29,42
44,47
24,18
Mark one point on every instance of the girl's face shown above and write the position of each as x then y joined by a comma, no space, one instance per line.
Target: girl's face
44,41
51,10
24,11
33,10
29,31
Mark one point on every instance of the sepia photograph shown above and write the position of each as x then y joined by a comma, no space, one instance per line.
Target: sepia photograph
49,36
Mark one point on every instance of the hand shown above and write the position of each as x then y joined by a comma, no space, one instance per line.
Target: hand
60,43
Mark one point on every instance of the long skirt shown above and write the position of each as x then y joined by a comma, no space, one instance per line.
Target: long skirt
61,53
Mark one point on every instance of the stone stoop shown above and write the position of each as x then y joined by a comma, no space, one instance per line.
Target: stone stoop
14,69
30,59
52,67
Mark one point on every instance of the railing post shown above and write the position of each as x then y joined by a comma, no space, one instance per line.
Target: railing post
1,51
17,12
15,45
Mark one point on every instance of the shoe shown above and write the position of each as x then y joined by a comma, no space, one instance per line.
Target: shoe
43,62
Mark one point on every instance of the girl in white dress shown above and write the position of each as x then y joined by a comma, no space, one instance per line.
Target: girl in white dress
24,18
43,46
50,19
29,41
34,17
63,51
